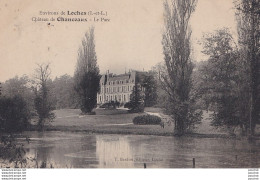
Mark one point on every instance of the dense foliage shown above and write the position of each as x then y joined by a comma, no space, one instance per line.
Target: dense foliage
64,93
19,86
147,120
110,105
87,89
248,18
43,101
149,83
87,76
14,114
13,152
225,81
136,103
177,77
220,77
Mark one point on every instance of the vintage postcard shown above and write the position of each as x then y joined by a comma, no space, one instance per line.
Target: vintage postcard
129,84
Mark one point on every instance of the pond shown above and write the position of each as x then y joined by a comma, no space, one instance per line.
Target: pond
81,150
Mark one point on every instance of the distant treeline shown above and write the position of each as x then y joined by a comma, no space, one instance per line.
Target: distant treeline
60,91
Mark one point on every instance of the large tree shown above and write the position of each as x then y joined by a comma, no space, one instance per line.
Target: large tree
149,84
223,78
177,56
43,103
248,16
65,95
87,73
19,86
137,97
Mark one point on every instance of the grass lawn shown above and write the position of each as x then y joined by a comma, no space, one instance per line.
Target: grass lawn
119,121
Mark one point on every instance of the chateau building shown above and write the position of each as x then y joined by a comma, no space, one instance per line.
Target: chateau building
116,87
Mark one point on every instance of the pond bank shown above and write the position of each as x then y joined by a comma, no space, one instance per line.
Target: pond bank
119,121
134,132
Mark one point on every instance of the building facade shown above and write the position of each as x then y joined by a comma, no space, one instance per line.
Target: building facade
116,87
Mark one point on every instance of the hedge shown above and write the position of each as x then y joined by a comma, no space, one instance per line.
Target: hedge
147,120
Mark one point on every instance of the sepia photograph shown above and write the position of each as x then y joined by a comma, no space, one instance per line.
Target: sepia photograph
162,84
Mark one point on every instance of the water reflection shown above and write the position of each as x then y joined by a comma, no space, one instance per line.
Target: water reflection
79,150
114,151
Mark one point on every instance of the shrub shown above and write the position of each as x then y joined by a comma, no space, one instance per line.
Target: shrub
147,120
134,108
88,113
128,105
44,111
110,105
12,152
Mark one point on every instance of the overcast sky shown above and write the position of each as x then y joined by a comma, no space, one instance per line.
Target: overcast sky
131,40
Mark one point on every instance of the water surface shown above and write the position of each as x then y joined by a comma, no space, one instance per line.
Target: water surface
80,150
